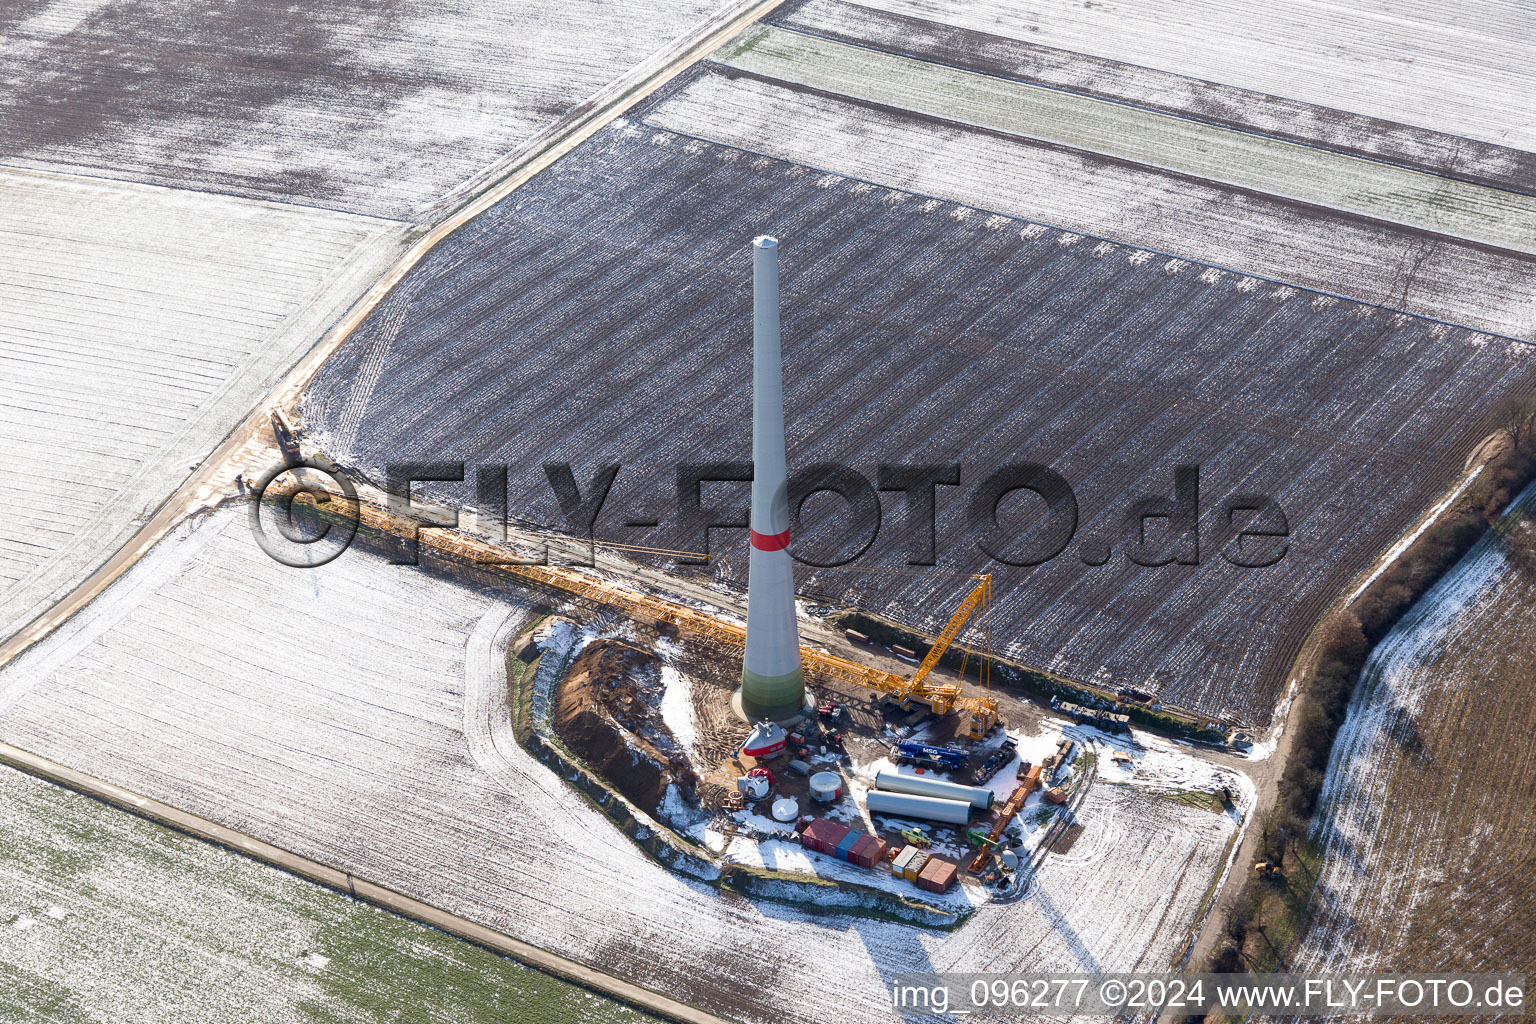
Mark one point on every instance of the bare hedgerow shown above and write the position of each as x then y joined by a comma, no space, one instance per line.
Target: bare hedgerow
1517,416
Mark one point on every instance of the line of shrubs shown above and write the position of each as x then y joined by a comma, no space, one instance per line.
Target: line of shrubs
1343,644
1347,637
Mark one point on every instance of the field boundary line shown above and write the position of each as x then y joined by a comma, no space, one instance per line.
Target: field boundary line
1040,78
348,884
659,123
1316,175
285,394
1266,779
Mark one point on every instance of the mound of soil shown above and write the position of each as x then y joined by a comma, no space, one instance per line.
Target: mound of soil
603,714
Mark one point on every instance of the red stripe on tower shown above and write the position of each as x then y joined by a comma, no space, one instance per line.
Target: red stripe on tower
770,542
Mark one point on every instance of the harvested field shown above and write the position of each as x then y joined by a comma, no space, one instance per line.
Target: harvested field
931,37
600,316
173,929
387,108
1191,218
1464,70
138,325
1244,160
1430,801
382,744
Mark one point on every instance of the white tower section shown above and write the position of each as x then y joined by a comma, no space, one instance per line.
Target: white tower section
772,683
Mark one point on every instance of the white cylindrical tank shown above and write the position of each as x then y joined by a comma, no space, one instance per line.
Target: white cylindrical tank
920,785
907,805
826,786
786,808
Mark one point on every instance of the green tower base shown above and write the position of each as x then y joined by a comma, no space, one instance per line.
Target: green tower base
777,698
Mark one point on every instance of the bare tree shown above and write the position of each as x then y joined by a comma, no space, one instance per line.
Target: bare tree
1517,415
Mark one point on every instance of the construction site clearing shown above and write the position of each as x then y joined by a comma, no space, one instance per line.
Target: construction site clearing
438,780
648,710
646,706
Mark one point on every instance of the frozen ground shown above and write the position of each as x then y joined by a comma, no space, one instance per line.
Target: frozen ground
923,32
347,713
105,917
1098,196
384,107
600,315
1156,767
1250,161
138,325
1430,800
1462,69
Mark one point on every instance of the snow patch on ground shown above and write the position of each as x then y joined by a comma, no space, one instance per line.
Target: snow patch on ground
677,696
139,325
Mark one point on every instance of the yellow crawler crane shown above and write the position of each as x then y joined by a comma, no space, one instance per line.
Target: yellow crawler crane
946,698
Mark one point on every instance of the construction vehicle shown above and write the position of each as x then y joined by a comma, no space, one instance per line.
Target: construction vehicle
994,763
980,839
916,837
945,698
1112,720
926,756
837,714
941,697
1267,869
287,439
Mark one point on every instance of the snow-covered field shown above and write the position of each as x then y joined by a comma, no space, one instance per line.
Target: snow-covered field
608,284
386,108
348,714
1261,163
106,917
1431,791
1462,69
1252,233
1017,55
138,325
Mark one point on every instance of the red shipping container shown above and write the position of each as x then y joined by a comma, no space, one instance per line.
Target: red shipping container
865,855
823,836
856,851
937,876
875,853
